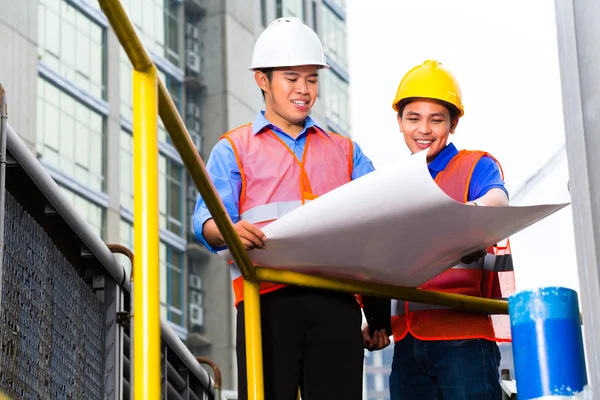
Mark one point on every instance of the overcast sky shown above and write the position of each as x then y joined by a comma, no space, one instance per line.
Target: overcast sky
505,57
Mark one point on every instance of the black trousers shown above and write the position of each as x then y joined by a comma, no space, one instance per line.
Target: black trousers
311,339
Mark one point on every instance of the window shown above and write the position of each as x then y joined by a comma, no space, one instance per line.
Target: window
126,84
157,22
94,3
387,356
337,93
170,186
70,136
90,212
171,291
196,296
191,198
370,382
126,75
290,8
342,3
315,17
170,178
334,37
176,91
126,169
263,12
171,276
72,45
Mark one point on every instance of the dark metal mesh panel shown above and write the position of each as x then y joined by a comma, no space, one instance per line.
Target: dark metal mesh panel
51,323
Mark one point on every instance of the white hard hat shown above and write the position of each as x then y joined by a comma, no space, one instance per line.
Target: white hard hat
287,42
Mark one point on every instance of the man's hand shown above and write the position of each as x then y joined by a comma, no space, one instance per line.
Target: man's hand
251,236
380,339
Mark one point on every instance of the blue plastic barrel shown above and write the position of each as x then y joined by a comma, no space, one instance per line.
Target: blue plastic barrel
547,343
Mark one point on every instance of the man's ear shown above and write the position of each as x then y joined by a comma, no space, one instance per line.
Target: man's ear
454,124
262,80
399,118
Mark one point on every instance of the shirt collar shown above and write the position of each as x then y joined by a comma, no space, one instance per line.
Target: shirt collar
440,162
260,123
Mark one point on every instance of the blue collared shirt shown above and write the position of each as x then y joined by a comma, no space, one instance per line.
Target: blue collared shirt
223,169
486,174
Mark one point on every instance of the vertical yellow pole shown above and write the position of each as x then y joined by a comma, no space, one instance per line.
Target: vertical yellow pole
146,300
254,364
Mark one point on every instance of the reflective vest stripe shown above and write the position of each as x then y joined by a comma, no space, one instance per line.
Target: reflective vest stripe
270,212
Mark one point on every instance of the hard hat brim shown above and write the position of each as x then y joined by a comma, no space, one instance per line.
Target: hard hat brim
297,64
460,110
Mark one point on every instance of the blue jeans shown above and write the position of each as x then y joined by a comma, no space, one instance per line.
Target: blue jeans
445,370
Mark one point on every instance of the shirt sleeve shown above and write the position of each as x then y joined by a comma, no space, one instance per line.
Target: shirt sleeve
362,163
486,176
223,169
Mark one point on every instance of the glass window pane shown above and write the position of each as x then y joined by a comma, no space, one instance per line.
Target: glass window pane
157,25
171,195
51,35
174,295
51,127
163,256
90,212
126,170
293,8
334,37
72,45
70,134
337,92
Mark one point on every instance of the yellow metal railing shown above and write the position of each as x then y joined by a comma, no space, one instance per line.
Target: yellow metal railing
148,91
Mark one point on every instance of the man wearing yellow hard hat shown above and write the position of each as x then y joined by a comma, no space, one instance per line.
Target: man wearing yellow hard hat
440,353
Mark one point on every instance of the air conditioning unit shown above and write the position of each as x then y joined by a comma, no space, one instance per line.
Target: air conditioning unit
193,125
191,31
196,315
195,282
192,192
196,297
197,139
192,45
192,110
193,61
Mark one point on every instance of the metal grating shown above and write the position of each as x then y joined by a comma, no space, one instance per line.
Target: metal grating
179,384
51,341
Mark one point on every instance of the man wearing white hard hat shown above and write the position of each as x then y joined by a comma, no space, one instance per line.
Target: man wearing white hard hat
311,338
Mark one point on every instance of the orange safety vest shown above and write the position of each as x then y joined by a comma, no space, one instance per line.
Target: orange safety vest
490,277
275,182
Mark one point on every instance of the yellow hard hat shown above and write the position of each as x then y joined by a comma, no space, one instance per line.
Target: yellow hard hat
433,81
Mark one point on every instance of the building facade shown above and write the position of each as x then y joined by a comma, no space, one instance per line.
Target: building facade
378,366
70,98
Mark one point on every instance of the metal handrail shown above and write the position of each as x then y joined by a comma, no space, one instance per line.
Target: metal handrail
120,249
216,373
194,165
40,177
19,154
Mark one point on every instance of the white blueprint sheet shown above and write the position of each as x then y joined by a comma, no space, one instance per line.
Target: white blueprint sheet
394,225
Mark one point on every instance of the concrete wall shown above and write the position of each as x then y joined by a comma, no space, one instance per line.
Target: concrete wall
18,64
113,138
